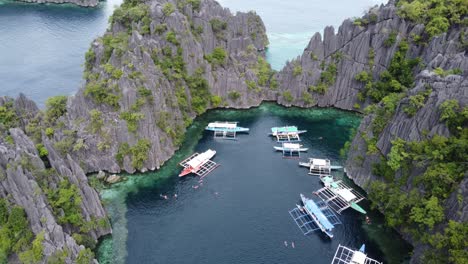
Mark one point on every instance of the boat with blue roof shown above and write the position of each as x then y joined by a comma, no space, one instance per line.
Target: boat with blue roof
312,216
286,133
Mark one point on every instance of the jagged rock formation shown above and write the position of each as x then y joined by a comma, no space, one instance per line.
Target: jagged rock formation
354,49
149,76
189,35
22,183
83,3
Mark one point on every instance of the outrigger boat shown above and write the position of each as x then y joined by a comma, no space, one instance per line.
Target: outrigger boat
199,164
291,150
225,129
286,133
291,147
339,196
314,216
319,166
344,255
317,215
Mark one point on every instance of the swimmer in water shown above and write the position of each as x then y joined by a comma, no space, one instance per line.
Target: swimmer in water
286,243
292,244
195,187
368,220
175,195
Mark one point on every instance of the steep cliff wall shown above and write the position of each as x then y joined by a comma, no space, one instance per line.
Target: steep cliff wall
408,80
27,180
161,63
147,78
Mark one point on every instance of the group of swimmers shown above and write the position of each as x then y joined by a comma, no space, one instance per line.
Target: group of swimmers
292,244
165,197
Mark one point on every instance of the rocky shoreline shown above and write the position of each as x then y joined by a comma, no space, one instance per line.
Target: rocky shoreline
150,75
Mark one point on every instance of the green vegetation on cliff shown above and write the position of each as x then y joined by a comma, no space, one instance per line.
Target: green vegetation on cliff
436,15
439,164
16,235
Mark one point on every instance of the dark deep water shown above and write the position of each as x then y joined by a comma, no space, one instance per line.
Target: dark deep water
42,46
248,221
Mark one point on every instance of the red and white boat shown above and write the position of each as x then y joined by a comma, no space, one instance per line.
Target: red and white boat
199,164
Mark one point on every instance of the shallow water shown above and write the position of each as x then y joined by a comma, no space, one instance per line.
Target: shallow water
240,213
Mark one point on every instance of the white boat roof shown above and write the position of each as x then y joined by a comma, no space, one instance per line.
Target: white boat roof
203,157
291,145
320,162
358,257
346,194
223,124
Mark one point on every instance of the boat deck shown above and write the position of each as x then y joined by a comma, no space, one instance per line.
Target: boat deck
224,134
305,222
344,255
204,169
337,202
288,137
317,166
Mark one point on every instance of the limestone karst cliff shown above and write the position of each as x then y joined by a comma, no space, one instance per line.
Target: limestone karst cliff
147,77
161,63
32,181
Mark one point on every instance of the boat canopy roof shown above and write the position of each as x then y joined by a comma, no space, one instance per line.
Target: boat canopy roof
200,159
291,145
286,129
313,208
358,257
319,162
223,124
328,179
346,194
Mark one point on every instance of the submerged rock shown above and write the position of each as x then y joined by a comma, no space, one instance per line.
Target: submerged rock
113,179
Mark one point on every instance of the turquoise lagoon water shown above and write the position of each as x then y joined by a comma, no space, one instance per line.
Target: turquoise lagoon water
41,54
240,212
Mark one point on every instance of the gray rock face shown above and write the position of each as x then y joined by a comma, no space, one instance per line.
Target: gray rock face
353,49
242,38
83,3
19,166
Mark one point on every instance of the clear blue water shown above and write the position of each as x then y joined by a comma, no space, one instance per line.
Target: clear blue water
240,213
41,54
42,46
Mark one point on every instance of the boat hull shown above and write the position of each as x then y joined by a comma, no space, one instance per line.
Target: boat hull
358,208
237,130
285,149
185,172
327,232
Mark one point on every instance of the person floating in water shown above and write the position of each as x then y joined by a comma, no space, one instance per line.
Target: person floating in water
175,195
163,196
368,221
